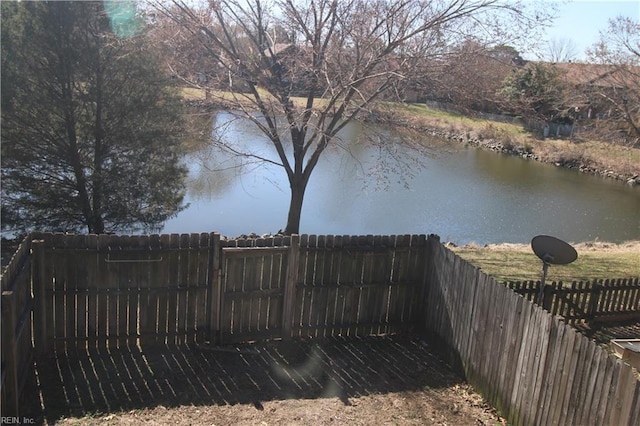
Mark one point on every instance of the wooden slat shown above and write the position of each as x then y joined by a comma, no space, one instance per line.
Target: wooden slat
522,310
622,395
49,288
95,277
228,284
562,373
538,342
11,395
67,316
150,325
60,271
501,295
568,374
506,349
214,295
634,397
578,389
290,286
163,280
520,388
193,281
183,281
263,284
275,304
538,365
81,297
334,243
40,295
121,322
611,370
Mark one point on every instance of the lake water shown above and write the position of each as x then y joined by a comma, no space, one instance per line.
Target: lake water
462,194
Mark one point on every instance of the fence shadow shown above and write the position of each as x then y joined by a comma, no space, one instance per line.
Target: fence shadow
110,380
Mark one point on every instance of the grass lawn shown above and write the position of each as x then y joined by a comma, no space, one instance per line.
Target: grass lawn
516,262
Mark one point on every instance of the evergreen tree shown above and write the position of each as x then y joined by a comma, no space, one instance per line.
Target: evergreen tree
533,91
90,129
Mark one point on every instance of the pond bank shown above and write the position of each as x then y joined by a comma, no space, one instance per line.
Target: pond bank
630,178
560,153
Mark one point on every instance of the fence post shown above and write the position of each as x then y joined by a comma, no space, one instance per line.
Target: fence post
549,294
215,297
10,352
290,286
425,280
40,306
593,300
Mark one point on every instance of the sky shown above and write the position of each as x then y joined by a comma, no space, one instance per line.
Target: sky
582,20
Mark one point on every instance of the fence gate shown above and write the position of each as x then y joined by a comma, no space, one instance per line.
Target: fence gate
252,293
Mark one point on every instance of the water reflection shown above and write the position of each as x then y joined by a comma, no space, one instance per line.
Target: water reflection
360,187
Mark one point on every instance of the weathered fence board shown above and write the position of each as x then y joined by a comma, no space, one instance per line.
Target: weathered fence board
17,350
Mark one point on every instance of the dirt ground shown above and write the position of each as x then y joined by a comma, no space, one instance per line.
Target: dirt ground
341,381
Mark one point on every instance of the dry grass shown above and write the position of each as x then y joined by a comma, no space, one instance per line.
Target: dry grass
516,262
602,155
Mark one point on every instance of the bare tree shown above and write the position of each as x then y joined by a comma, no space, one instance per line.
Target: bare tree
471,76
561,50
617,82
310,67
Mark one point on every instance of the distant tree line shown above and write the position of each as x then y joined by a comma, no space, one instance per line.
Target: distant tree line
470,74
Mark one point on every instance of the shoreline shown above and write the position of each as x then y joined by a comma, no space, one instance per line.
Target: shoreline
530,148
527,153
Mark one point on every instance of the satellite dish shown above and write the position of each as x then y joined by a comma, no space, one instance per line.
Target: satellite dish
552,251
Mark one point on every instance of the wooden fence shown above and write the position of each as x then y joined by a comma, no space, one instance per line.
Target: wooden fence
17,340
596,301
526,362
319,286
107,290
118,290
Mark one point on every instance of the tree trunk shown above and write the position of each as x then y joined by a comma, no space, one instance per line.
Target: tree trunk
96,224
295,207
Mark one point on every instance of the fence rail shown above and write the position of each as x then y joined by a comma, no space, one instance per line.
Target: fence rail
595,301
108,290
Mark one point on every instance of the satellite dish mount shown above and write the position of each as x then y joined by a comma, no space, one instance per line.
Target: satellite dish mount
552,251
